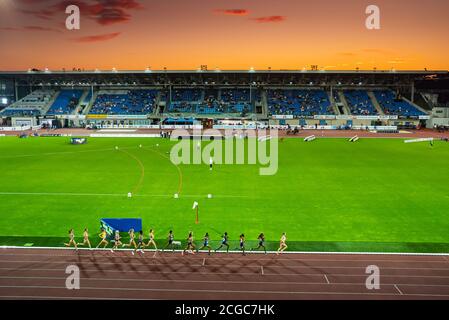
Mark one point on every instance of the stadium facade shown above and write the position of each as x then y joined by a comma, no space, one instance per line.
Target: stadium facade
149,99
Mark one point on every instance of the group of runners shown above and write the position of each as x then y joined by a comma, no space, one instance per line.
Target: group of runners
140,244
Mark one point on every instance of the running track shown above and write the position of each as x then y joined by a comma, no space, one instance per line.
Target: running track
40,274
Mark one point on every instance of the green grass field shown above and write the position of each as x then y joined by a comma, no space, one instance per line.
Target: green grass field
328,195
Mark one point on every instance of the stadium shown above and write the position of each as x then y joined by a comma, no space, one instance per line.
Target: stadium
345,168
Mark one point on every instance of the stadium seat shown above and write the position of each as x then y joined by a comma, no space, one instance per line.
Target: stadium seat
392,106
131,102
298,102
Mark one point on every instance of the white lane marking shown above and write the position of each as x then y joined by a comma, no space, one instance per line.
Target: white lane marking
337,253
65,194
261,267
223,291
220,265
220,258
327,280
221,273
221,281
400,292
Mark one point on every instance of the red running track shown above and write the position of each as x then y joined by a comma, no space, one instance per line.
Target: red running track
40,274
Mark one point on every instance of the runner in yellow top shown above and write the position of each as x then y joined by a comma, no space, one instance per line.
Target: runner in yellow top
282,245
85,239
151,241
71,239
103,236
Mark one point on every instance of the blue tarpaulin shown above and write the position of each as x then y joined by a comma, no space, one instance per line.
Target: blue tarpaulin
121,224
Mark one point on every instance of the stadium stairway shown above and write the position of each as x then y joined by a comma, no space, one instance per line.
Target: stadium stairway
91,103
81,102
342,97
264,101
157,102
375,103
333,104
50,103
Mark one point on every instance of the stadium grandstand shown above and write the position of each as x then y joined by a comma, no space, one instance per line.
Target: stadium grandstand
290,98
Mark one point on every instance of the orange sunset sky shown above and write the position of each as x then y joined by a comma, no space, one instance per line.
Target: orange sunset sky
225,34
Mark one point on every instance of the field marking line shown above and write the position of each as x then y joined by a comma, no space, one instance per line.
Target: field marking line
108,195
223,291
62,194
64,152
219,273
177,167
400,292
204,262
327,280
142,170
261,267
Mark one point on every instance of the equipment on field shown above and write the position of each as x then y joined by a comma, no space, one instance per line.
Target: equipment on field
419,140
78,140
195,206
309,138
354,139
110,225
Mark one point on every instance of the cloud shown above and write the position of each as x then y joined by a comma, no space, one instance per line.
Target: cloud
104,12
396,61
380,51
111,16
270,19
346,54
232,12
97,38
30,28
41,14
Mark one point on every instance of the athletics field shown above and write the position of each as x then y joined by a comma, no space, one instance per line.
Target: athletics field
328,195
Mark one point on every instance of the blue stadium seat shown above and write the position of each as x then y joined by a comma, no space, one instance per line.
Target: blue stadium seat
66,102
359,102
391,106
298,102
134,102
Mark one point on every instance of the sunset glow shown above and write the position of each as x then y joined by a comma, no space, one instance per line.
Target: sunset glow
236,34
